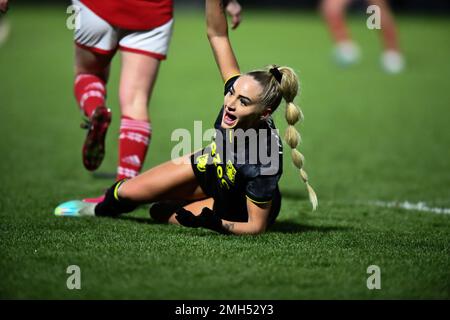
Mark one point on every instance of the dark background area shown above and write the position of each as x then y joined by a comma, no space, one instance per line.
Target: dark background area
416,6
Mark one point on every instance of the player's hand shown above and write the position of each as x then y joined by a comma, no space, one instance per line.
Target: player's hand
209,220
3,6
234,10
205,219
187,218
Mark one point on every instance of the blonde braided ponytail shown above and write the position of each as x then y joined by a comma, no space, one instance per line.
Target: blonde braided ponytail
279,83
293,115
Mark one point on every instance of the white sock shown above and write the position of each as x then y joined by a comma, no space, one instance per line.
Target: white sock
346,53
392,61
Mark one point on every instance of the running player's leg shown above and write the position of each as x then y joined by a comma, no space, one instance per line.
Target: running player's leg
142,52
388,28
391,59
333,11
95,45
91,75
92,70
138,76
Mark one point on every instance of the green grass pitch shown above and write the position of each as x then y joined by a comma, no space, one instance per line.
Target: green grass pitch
367,136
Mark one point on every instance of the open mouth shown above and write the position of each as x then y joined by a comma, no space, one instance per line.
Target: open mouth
229,119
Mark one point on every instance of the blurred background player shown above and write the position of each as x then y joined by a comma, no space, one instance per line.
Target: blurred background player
346,51
141,30
4,24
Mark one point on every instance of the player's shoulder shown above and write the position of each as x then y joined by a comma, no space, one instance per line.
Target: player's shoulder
229,83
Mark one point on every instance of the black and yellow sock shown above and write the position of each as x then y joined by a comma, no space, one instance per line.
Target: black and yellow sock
113,205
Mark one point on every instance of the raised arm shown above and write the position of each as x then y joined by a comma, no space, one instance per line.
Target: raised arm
217,31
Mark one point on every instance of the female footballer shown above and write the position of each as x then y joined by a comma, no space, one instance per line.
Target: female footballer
224,187
141,30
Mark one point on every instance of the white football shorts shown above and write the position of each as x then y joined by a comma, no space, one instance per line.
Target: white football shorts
97,35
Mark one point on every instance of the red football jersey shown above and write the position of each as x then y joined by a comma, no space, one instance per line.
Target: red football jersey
133,14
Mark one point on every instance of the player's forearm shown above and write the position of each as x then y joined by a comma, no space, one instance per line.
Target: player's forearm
224,56
217,30
242,228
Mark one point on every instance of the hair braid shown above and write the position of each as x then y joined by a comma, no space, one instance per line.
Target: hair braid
274,91
293,114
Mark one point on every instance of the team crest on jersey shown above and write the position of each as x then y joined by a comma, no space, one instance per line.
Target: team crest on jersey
201,162
230,171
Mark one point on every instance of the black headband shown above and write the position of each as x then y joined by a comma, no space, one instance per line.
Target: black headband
276,73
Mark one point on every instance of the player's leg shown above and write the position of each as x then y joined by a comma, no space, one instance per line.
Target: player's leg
141,55
174,181
137,79
92,70
95,45
346,52
334,13
388,28
392,58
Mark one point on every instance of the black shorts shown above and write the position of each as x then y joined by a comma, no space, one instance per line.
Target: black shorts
227,205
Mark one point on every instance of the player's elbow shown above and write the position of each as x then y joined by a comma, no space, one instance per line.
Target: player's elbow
257,228
258,231
215,31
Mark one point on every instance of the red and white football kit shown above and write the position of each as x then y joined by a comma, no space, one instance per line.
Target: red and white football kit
140,26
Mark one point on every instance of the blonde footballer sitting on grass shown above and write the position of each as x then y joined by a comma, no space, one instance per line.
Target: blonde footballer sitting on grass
230,186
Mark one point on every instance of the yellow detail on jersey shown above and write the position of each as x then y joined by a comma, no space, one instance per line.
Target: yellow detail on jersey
258,202
217,160
224,183
231,136
213,148
201,162
231,171
234,75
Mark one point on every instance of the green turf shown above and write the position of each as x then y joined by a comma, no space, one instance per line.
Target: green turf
367,136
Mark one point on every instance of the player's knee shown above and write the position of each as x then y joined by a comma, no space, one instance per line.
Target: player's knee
136,111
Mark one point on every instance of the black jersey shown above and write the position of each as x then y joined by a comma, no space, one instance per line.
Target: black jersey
240,165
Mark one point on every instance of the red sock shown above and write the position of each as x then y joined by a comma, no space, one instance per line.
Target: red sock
133,144
90,92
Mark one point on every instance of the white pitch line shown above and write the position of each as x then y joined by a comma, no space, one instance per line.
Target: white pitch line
419,206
